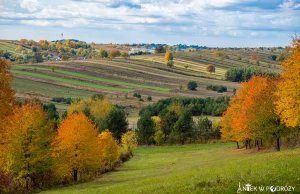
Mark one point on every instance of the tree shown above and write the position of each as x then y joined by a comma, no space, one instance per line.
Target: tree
184,126
129,142
103,53
211,68
239,57
288,103
192,85
168,56
38,57
25,143
160,49
52,68
116,122
114,54
168,120
146,129
34,49
125,55
170,63
204,128
76,146
254,56
149,98
109,149
7,93
64,58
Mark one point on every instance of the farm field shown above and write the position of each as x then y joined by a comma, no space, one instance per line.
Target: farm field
205,168
120,78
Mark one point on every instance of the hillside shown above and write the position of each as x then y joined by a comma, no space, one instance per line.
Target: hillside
120,78
210,168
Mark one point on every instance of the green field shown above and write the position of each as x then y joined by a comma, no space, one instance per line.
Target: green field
205,168
95,78
69,81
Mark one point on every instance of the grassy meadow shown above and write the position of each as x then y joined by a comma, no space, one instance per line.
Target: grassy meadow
205,168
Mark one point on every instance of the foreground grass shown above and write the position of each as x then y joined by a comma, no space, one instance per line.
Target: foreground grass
214,168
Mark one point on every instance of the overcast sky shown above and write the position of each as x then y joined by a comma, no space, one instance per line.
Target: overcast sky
223,23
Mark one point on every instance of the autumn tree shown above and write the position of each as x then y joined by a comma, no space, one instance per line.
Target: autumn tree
76,146
25,143
288,103
114,54
254,56
168,56
125,55
109,150
129,142
6,92
211,68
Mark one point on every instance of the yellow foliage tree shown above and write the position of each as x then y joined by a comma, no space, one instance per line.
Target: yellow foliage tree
129,142
98,108
168,56
26,139
76,146
176,106
109,149
157,121
288,104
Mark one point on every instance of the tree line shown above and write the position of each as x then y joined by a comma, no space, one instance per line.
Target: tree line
266,108
39,149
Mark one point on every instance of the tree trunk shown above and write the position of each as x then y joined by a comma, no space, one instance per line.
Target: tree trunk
75,173
278,144
249,141
237,145
261,143
255,143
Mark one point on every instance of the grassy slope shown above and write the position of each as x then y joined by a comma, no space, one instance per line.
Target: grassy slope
215,168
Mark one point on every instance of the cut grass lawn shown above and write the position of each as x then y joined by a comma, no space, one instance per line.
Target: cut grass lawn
206,168
97,78
70,81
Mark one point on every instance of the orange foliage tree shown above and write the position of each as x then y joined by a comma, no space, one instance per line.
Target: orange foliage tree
26,139
6,93
288,103
109,149
251,114
168,56
76,146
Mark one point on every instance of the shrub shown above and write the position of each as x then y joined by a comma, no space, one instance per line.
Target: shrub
149,98
238,74
159,138
192,85
137,95
211,68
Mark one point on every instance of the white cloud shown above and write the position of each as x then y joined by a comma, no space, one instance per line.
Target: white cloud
31,5
36,22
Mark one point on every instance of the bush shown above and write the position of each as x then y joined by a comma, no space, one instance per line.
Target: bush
192,85
219,89
159,138
149,98
137,95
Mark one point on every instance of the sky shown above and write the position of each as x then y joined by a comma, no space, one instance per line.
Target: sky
213,23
